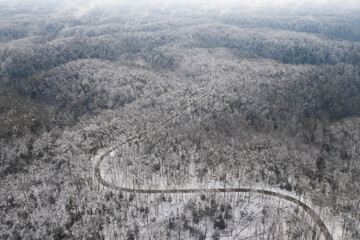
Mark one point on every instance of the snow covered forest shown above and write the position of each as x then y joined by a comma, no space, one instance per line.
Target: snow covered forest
100,107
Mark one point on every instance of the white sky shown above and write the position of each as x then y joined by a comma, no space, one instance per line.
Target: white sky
237,2
207,2
83,6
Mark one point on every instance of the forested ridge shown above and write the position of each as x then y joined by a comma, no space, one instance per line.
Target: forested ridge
252,100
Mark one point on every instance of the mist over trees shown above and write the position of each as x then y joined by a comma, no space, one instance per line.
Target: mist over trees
210,98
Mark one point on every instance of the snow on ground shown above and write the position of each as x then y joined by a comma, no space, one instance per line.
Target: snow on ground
114,171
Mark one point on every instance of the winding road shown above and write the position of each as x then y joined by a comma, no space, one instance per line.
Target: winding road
306,208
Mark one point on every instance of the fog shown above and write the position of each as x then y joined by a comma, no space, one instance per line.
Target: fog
79,8
168,3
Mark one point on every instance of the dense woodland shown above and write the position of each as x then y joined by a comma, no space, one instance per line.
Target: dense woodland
274,103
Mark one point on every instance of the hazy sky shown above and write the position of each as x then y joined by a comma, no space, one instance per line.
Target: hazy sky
81,7
234,2
219,4
353,3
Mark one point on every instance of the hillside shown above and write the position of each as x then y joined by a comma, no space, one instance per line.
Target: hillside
95,105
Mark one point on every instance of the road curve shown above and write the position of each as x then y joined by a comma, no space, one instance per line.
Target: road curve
305,207
299,203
